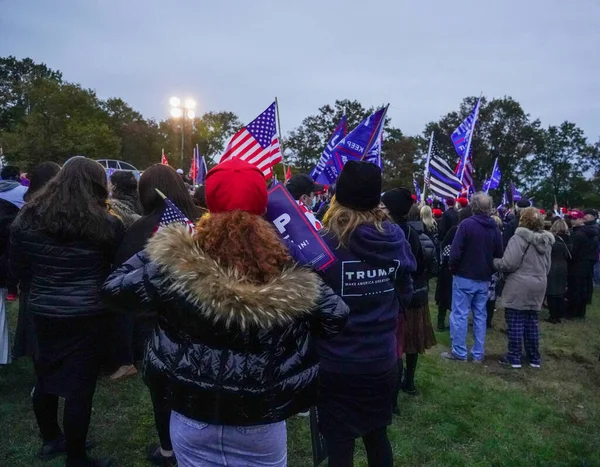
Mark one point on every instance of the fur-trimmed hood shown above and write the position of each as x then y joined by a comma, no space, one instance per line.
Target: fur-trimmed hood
224,295
542,241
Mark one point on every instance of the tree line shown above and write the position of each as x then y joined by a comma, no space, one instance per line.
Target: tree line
43,117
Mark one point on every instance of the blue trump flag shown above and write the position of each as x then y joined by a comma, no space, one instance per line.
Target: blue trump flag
493,182
340,131
362,143
292,224
462,136
516,195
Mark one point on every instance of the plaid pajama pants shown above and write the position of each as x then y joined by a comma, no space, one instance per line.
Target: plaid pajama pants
522,328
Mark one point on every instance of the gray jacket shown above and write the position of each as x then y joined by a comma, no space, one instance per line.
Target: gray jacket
526,263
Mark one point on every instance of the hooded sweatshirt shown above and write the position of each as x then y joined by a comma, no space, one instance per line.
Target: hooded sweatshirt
527,264
12,192
477,242
373,277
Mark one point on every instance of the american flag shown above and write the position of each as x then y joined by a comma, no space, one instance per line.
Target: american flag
257,143
467,181
173,215
163,159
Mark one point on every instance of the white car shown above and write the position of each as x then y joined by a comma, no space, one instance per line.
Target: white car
112,165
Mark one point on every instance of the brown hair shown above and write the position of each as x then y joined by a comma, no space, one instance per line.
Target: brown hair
168,181
531,219
243,242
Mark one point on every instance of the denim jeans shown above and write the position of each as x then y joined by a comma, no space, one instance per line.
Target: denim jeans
201,444
468,295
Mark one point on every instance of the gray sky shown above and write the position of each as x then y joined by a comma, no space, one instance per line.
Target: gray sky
421,56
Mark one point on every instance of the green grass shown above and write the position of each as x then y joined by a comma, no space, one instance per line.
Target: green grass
465,415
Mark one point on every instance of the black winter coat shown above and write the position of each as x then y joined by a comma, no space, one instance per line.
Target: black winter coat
585,250
559,266
420,277
234,353
8,213
449,220
65,278
510,228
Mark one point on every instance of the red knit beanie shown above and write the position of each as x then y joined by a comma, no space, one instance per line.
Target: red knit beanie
236,185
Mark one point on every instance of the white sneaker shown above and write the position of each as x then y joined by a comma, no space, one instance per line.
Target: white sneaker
535,365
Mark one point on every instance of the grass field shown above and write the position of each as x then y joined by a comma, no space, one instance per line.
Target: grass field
464,415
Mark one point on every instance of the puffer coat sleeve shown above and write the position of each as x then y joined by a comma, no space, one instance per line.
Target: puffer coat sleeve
132,286
330,315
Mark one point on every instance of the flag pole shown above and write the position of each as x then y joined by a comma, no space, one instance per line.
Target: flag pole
427,165
465,157
279,134
376,133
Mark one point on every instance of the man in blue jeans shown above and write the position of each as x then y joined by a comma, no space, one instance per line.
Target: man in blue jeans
477,242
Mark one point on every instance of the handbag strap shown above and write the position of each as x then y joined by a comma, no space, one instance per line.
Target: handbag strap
523,257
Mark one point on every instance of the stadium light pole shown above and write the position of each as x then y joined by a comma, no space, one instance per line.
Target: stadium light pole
183,112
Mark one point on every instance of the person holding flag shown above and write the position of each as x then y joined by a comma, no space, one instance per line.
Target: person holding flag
231,299
168,182
358,371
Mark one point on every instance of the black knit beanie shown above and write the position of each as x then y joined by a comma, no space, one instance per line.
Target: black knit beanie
359,186
398,201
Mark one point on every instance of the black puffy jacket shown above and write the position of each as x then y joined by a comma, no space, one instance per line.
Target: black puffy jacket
64,278
235,353
8,213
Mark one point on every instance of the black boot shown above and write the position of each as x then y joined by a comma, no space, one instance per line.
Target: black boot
395,408
441,319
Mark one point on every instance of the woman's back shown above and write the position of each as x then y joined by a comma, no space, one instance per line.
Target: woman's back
65,276
372,275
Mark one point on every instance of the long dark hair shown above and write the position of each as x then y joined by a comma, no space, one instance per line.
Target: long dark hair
39,176
72,206
169,182
125,188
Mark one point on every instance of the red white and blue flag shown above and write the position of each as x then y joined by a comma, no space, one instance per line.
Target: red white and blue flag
198,168
462,138
257,143
173,215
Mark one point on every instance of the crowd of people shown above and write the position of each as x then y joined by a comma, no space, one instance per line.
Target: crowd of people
234,331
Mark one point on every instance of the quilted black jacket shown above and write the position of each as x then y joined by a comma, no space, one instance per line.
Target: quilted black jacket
235,353
64,278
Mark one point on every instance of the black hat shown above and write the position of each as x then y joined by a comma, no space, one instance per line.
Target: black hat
302,184
398,201
591,212
359,186
523,203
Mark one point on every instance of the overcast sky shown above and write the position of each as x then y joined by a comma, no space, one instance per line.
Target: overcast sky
421,56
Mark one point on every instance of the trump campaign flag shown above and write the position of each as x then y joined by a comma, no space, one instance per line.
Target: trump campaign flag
340,131
360,144
292,224
257,143
493,182
461,139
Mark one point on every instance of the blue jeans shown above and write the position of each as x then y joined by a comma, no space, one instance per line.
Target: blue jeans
468,295
200,444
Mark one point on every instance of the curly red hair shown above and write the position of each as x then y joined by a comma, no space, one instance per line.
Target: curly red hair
244,242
